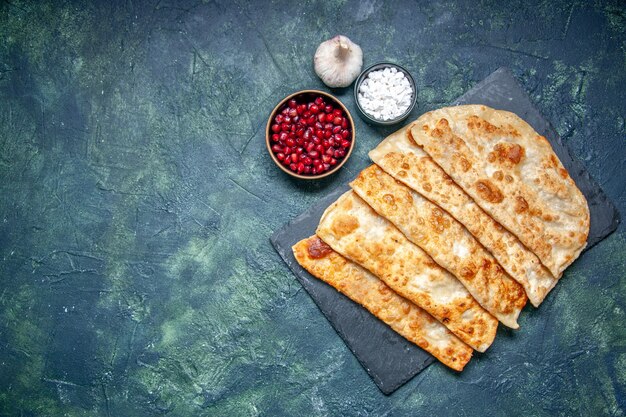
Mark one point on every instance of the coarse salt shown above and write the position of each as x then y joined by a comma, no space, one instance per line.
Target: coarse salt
385,94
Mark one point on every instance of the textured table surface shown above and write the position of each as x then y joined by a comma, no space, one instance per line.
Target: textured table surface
136,203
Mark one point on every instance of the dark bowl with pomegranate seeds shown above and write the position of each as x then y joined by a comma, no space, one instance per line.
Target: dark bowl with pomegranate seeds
310,134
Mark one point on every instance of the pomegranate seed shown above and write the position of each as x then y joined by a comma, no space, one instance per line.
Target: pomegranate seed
306,160
326,167
336,129
326,158
292,103
345,144
280,156
333,161
277,148
287,150
314,109
320,149
307,170
328,109
314,154
321,117
290,142
331,141
299,150
340,153
319,168
283,136
319,133
337,113
311,121
345,133
276,128
295,119
293,112
306,114
328,133
328,126
316,140
300,167
287,119
344,124
300,109
314,171
279,118
285,111
307,134
293,167
293,128
284,127
330,151
275,137
338,120
294,157
310,146
318,125
319,101
300,132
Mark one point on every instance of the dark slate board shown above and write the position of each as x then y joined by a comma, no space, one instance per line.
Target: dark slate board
388,358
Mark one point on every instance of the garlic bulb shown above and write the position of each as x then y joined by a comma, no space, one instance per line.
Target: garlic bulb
338,61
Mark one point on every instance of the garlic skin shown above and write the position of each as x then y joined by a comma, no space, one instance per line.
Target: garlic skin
338,61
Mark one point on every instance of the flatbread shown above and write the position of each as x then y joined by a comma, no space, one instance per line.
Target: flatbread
445,240
400,157
353,229
407,319
513,174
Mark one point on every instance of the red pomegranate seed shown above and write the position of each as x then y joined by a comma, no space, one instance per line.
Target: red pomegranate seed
285,127
319,125
277,148
295,119
320,148
319,101
328,126
290,142
345,144
300,167
293,112
338,120
307,170
306,160
340,153
275,137
310,146
287,150
294,157
300,132
326,158
314,171
314,109
321,117
275,128
314,154
299,150
344,124
283,136
337,113
328,109
336,129
279,118
316,140
333,161
301,108
280,156
345,134
319,168
287,119
326,167
328,133
285,111
311,121
292,103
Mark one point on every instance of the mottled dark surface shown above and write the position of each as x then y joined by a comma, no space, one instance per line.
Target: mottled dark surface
136,204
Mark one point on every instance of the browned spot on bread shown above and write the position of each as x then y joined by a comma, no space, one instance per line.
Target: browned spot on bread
388,198
563,173
509,152
489,192
317,248
427,187
344,224
465,164
467,273
521,205
402,174
508,178
498,175
405,166
425,128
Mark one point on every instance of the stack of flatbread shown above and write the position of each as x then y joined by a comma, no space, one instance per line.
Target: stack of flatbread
465,215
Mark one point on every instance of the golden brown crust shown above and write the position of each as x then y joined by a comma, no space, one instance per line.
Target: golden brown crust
445,240
398,154
553,220
400,314
378,246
